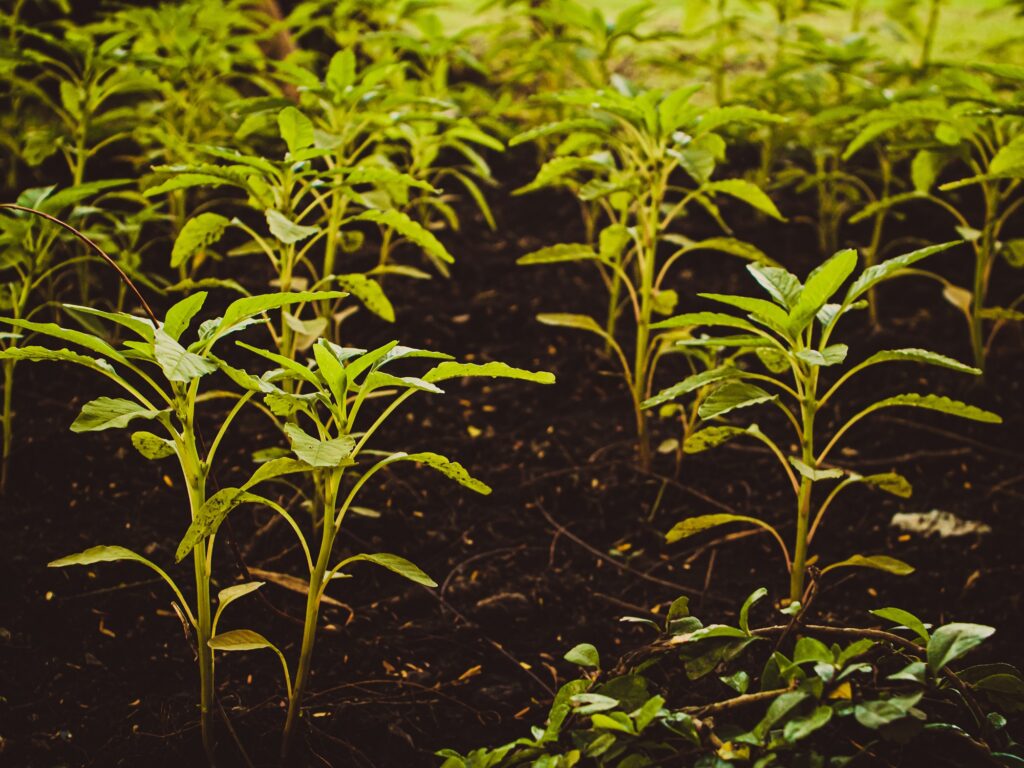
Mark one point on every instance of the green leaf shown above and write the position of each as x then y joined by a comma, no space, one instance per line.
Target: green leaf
819,288
878,562
754,597
691,383
952,641
694,525
140,326
250,306
877,714
177,363
110,413
903,618
939,403
86,340
296,129
731,396
199,233
369,292
341,71
557,253
781,284
335,452
186,181
833,354
283,465
760,308
812,474
410,230
584,655
240,640
749,193
452,370
697,319
396,564
40,354
228,595
801,727
100,554
180,315
286,230
890,482
778,709
210,516
710,437
450,469
912,354
872,276
152,446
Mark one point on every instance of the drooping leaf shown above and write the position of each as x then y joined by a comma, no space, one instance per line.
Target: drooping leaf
912,354
228,595
557,253
450,469
890,482
694,525
710,437
872,276
210,516
152,446
749,193
903,618
878,562
396,564
691,383
100,554
939,403
250,306
410,230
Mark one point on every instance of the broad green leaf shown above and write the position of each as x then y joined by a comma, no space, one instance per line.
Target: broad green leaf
925,168
878,562
199,233
286,230
152,446
567,320
110,413
40,354
1009,160
872,276
240,640
453,370
710,437
79,338
177,363
283,465
819,288
584,655
730,396
341,71
877,714
557,253
694,525
952,641
716,117
369,292
296,129
749,193
210,516
691,383
912,354
778,709
801,727
396,564
903,618
939,403
180,315
335,452
410,230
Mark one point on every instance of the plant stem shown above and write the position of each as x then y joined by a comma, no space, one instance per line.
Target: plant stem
7,421
929,35
808,408
316,581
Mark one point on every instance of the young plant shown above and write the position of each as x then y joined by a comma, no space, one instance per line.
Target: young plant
825,695
161,381
330,426
976,132
793,337
639,162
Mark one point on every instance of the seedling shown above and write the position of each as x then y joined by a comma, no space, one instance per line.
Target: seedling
792,336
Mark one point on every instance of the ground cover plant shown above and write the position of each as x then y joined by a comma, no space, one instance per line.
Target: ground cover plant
286,244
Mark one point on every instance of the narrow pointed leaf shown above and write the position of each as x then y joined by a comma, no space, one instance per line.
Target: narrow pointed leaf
730,396
396,564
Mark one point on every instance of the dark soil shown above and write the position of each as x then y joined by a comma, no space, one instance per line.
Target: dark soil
96,670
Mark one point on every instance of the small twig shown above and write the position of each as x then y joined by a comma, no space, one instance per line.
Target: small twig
738,701
103,254
234,736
